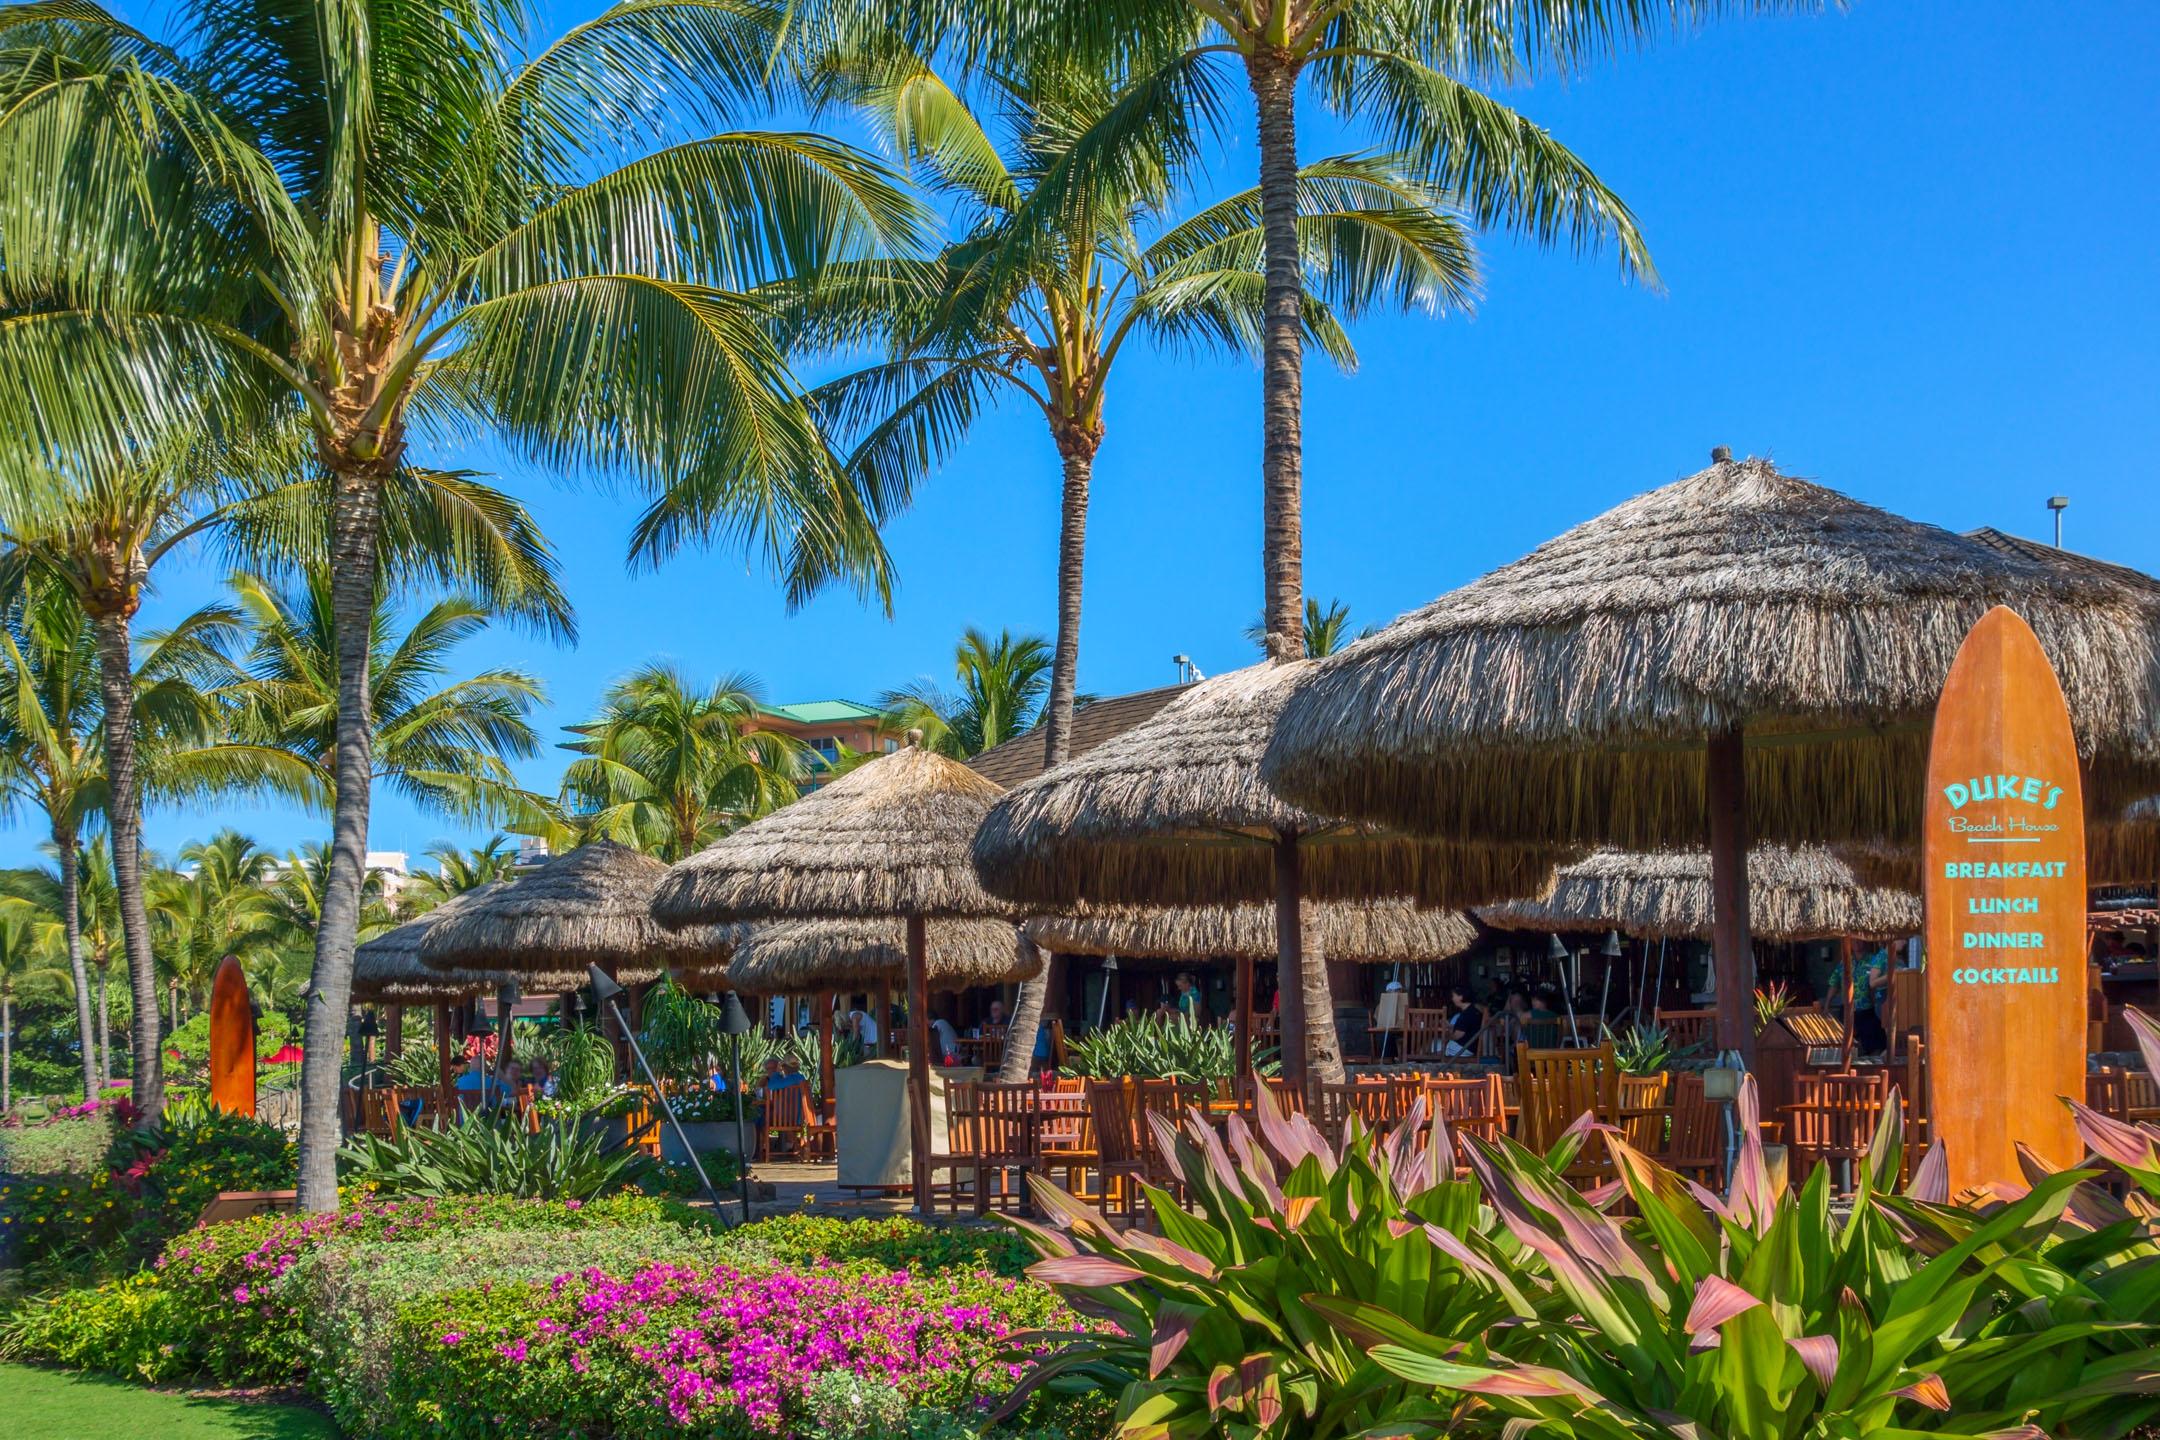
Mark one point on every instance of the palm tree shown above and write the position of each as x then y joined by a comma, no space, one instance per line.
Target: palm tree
1406,71
1072,247
50,757
444,745
458,869
220,904
668,768
1325,630
371,219
296,900
1002,683
102,538
23,950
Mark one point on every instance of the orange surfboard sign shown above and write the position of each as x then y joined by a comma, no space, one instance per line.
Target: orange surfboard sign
232,1041
2004,849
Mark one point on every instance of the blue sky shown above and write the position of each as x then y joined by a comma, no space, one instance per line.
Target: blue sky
1908,250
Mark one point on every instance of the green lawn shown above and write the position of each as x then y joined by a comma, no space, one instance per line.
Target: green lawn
58,1405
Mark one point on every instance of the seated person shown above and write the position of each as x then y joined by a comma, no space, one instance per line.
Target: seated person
476,1089
785,1089
1465,1021
507,1085
1541,1027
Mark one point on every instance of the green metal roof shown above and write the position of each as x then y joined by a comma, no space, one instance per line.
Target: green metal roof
821,712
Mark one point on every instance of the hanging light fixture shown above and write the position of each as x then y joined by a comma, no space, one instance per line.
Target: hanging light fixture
1612,945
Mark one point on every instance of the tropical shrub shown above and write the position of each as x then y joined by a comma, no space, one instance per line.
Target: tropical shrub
1255,1308
191,1042
715,1350
1645,1049
581,1059
151,1185
1157,1047
492,1154
722,1167
72,1142
886,1243
417,1063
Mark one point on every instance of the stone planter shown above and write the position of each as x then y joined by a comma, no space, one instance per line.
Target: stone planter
705,1137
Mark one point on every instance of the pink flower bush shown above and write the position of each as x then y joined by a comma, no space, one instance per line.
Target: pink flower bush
720,1351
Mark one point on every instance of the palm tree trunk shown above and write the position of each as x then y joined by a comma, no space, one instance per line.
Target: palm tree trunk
1078,451
1323,1044
1274,76
71,918
1026,1023
123,812
104,1028
355,509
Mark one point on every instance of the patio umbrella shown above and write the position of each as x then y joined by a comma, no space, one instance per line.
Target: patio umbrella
1740,653
1794,893
588,906
287,1054
1173,813
798,955
887,841
1387,932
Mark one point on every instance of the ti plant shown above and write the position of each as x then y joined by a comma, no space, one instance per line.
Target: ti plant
1252,1314
1772,1316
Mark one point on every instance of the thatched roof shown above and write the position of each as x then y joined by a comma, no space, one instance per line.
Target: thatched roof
2124,850
1173,812
591,905
1804,893
1374,933
388,967
1566,696
888,839
790,957
1021,758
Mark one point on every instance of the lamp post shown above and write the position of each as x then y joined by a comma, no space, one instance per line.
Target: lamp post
735,1023
1556,950
1611,952
608,996
2057,504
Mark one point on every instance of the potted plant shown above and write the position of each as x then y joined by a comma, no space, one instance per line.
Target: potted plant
684,1045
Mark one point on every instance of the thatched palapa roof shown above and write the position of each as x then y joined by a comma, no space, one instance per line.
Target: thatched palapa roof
1021,758
388,968
1173,812
1803,893
888,839
1567,696
1374,933
792,956
588,906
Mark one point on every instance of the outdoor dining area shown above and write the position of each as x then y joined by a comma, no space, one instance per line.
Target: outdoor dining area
1603,866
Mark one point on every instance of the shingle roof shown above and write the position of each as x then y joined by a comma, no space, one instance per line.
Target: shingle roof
1021,758
2069,559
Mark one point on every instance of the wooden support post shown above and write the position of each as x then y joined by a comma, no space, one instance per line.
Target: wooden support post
395,1045
1845,964
918,1082
1733,955
883,1016
442,1063
1289,961
825,1045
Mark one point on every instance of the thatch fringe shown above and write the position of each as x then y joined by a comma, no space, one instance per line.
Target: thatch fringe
388,968
888,839
591,905
1173,812
1375,933
1804,893
798,956
1565,697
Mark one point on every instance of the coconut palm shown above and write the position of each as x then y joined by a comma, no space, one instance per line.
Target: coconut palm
395,221
24,953
1072,248
102,536
668,768
51,757
444,744
218,903
1002,684
458,869
296,899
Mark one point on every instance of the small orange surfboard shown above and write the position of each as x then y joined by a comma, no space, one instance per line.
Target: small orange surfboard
232,1041
2004,849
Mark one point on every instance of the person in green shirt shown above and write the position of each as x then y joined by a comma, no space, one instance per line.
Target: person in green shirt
1188,1000
1870,982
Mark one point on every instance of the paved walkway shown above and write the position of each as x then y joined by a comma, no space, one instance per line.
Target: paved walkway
814,1188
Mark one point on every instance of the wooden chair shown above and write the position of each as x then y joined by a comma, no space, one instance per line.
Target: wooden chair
1170,1099
1695,1140
1117,1145
1006,1118
1645,1102
1066,1139
789,1116
1287,1096
1689,1027
379,1113
1378,1104
1559,1087
1471,1105
1833,1121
